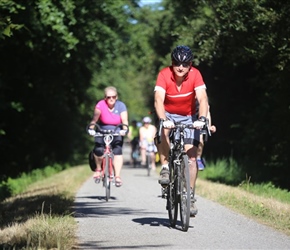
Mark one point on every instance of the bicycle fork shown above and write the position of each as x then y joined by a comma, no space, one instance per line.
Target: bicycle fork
177,174
111,168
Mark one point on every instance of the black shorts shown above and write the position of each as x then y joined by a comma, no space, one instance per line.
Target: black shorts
116,144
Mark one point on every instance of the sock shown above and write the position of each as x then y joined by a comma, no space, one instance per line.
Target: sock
165,166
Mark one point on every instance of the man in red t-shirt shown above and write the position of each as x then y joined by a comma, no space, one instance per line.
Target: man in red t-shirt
177,87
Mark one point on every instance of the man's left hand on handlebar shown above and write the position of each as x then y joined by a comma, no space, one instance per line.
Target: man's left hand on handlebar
200,123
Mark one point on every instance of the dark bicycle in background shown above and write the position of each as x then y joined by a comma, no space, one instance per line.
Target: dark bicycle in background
135,154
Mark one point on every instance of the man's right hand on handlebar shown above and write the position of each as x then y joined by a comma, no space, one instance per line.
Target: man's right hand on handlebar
91,132
168,124
123,132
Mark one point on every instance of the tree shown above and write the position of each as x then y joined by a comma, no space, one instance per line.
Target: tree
47,71
243,49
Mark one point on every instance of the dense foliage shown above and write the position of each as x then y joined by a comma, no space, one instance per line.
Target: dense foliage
57,57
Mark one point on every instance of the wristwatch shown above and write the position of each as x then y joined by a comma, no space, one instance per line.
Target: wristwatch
202,118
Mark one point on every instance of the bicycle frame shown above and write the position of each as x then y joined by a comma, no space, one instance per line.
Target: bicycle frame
107,171
179,187
107,165
178,192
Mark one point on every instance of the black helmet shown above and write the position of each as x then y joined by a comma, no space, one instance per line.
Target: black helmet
182,54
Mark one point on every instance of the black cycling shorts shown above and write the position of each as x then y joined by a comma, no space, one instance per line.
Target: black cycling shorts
116,144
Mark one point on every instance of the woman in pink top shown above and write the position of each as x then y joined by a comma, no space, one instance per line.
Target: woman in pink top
109,112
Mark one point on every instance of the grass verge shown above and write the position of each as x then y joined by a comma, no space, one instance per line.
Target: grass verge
42,216
263,202
268,211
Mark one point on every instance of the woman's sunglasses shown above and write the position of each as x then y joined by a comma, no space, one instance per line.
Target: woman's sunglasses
111,97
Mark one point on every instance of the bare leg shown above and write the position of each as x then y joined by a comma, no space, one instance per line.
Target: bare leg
153,159
163,147
200,147
97,173
98,161
193,170
164,154
118,163
143,155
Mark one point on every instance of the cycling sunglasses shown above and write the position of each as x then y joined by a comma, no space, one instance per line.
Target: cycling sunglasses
184,64
111,97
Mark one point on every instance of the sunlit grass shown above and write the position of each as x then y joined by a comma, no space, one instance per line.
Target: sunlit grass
42,216
267,190
264,202
40,232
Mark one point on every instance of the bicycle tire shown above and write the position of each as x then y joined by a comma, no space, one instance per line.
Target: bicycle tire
135,157
107,182
148,163
184,189
172,199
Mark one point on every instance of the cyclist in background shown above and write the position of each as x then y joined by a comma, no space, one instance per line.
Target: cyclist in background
109,112
212,128
147,133
133,136
176,89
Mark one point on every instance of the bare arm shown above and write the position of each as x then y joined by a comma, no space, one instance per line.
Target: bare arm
209,117
212,128
124,119
159,104
203,102
141,136
96,116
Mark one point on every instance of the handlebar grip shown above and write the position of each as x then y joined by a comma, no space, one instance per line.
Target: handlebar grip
159,131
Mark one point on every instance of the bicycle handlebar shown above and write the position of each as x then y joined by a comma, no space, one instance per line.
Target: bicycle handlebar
205,130
114,132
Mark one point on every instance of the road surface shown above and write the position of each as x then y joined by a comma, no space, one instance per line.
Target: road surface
135,218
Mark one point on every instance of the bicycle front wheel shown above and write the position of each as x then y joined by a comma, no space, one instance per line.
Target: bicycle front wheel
172,199
184,193
107,182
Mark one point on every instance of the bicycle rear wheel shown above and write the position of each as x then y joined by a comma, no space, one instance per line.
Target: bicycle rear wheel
107,182
184,193
135,157
172,199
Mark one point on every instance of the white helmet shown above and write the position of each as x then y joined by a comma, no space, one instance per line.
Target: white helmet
147,119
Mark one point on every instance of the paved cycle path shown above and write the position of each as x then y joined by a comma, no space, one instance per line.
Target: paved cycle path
135,218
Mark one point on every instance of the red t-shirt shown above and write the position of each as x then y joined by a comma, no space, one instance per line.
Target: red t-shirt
179,102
